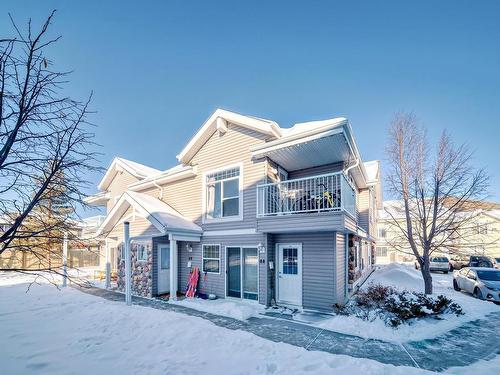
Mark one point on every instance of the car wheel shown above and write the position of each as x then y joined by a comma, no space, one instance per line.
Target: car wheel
455,286
477,293
446,272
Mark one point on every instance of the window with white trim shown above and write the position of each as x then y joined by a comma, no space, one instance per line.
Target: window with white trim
382,233
142,252
223,193
381,251
211,258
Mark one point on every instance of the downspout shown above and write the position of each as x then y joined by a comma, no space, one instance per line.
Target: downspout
159,187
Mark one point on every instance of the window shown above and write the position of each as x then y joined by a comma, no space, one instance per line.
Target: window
223,193
211,258
381,251
122,253
142,253
382,233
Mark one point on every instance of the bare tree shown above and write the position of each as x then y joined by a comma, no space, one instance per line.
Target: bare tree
46,148
439,190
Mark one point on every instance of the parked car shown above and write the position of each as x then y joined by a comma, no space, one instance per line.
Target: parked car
481,282
496,263
480,261
458,262
441,264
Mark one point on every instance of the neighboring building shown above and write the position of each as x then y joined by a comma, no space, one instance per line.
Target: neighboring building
267,214
480,235
84,250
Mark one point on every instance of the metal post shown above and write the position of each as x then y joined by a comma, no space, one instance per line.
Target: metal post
128,273
173,269
65,259
108,266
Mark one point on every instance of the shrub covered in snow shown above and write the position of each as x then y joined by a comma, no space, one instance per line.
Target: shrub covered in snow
396,307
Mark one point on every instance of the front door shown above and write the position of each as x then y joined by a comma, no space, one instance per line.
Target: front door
290,274
242,273
163,268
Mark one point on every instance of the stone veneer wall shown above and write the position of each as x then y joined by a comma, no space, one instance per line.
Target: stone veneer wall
142,271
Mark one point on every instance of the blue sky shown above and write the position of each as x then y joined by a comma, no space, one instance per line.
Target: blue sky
159,69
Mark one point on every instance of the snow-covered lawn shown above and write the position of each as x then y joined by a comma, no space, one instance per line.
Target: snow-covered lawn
404,276
237,310
50,331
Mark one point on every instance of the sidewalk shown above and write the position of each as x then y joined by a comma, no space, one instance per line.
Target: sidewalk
460,347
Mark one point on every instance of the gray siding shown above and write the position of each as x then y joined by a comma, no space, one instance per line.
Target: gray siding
322,169
340,267
215,283
322,221
364,209
318,267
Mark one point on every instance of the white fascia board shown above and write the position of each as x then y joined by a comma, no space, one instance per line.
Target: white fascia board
210,126
118,209
98,199
163,179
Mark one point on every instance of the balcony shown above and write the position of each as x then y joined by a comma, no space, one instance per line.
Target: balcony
323,194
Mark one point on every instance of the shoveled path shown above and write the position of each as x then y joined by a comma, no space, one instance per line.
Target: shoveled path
460,347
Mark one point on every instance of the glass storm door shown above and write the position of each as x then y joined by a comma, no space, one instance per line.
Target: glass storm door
163,269
242,274
233,272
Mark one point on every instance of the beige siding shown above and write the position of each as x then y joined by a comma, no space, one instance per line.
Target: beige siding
118,186
138,227
219,151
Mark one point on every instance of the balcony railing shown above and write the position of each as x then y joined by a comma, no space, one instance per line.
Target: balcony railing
327,192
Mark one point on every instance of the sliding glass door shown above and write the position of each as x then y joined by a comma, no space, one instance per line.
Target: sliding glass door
242,273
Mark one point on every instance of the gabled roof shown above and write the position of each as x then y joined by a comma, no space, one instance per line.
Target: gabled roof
218,121
173,174
135,169
160,214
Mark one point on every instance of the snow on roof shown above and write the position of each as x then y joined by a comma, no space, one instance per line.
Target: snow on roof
138,170
312,125
159,213
163,213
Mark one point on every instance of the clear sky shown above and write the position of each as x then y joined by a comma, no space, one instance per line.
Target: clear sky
160,68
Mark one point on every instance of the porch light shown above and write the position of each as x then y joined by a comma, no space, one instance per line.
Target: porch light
189,248
261,248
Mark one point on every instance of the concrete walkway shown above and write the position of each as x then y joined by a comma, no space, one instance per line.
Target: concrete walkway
460,347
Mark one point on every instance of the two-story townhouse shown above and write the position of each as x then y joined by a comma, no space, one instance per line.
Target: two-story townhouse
268,214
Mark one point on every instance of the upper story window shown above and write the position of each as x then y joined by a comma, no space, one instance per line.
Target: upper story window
382,233
223,193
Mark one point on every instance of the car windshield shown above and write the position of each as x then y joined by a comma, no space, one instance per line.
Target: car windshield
440,260
489,275
497,259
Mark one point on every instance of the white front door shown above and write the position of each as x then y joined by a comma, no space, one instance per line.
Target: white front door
163,268
290,274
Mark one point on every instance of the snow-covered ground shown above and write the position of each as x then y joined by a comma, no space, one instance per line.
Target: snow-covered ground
237,310
404,276
51,331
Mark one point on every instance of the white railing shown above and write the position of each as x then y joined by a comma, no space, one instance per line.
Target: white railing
327,192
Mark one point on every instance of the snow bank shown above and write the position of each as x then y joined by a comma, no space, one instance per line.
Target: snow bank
405,276
53,331
240,310
398,275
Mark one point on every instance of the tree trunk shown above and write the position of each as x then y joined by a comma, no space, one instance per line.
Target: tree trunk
426,274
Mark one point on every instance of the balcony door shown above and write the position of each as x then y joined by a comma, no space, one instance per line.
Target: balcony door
242,273
290,274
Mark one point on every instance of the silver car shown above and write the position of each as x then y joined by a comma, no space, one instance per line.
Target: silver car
483,283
